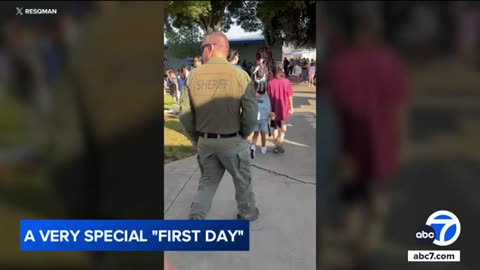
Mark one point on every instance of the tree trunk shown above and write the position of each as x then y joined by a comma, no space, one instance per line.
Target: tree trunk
218,18
217,26
215,20
204,25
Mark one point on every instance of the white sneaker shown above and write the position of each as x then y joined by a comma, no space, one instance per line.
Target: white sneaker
253,148
264,150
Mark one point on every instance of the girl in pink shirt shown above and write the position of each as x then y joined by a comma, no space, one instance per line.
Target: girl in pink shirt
281,99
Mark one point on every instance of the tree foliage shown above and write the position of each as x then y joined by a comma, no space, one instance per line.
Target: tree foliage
184,41
244,14
208,15
292,22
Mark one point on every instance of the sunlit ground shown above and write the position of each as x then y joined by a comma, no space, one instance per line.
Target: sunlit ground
177,145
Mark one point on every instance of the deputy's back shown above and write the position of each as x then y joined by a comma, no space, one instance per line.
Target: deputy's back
216,89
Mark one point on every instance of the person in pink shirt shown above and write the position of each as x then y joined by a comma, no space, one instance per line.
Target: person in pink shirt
368,88
281,99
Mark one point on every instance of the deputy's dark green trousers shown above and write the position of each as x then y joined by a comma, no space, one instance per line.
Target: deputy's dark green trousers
214,157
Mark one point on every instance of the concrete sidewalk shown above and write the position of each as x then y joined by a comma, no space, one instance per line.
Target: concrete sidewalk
283,237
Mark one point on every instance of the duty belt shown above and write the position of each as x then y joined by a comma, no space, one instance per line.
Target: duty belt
217,136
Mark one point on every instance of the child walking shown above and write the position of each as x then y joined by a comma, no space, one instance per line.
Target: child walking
264,114
260,74
173,87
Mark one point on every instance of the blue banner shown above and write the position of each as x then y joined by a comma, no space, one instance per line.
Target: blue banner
134,235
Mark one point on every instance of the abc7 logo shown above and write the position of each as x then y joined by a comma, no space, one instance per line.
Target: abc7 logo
442,229
425,234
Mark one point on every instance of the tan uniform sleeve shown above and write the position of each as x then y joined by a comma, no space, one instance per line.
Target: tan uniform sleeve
249,105
187,112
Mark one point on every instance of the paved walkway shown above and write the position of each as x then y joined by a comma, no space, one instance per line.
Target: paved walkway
284,184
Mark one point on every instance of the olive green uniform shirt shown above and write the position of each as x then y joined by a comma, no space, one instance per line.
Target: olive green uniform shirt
218,98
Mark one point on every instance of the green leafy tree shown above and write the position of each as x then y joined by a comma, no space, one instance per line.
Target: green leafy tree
244,14
208,15
292,22
289,22
184,41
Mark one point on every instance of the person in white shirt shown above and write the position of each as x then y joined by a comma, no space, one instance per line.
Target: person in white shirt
297,71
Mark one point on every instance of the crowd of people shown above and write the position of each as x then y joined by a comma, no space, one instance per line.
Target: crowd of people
174,80
273,86
299,70
302,70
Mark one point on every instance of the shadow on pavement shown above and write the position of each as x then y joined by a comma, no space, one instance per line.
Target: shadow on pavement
298,102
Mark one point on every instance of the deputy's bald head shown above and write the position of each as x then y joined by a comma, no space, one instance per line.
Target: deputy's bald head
221,46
